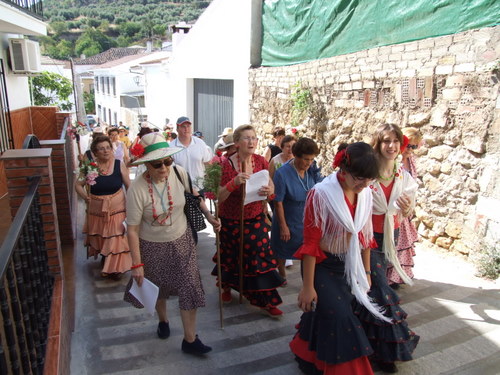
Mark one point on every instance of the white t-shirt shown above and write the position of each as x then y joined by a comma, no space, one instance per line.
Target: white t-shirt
193,159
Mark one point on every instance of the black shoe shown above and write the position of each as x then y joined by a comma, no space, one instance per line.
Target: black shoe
196,347
388,367
163,330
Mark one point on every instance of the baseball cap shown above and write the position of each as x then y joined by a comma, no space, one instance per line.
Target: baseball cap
181,120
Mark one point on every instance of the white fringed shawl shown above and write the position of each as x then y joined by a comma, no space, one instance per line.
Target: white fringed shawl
403,184
332,215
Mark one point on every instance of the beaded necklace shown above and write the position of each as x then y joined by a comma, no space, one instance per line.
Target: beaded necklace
166,212
239,162
390,178
102,171
306,177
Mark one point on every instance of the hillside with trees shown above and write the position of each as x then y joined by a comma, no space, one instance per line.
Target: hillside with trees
90,27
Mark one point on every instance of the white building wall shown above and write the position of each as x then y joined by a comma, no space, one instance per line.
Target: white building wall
217,47
17,85
158,93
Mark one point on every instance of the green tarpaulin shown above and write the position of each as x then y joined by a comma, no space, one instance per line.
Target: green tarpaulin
296,31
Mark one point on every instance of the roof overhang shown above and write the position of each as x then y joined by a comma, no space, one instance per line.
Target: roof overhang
14,21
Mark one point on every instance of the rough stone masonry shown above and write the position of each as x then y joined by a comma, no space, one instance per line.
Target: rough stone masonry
447,86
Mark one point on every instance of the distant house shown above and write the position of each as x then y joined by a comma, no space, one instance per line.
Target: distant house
119,90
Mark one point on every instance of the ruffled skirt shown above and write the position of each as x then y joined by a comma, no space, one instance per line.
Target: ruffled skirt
405,252
106,233
331,340
390,342
260,278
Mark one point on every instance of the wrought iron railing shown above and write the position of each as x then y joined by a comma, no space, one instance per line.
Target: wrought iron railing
25,290
32,7
6,138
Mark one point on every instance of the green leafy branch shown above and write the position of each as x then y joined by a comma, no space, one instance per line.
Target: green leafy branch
301,99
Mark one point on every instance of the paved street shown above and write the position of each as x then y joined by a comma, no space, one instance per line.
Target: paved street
456,315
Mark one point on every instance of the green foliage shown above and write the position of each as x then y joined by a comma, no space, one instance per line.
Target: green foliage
122,16
488,262
93,42
211,181
61,51
89,102
51,89
301,103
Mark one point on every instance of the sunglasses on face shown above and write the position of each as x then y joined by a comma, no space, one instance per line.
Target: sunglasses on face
412,147
167,163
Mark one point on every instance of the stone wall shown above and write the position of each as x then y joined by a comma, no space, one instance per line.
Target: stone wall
446,86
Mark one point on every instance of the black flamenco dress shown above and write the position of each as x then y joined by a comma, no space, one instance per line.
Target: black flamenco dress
330,340
390,342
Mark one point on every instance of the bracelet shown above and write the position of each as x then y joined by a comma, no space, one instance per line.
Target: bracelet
271,197
137,266
368,272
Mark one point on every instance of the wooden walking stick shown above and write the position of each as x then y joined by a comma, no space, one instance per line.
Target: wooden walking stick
219,270
242,233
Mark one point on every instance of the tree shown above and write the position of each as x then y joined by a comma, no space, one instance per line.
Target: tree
51,89
89,102
92,42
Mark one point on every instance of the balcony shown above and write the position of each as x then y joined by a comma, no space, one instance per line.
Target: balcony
32,7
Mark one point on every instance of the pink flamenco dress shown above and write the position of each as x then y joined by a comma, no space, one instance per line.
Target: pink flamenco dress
104,226
407,237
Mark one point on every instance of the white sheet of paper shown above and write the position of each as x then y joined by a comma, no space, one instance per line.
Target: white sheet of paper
254,183
147,294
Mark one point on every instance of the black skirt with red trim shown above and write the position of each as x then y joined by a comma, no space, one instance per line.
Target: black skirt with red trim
390,342
260,278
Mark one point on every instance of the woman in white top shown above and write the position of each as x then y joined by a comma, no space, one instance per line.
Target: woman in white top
286,154
121,151
160,239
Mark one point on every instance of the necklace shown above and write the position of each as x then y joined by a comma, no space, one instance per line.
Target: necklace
103,170
306,177
391,176
239,163
166,212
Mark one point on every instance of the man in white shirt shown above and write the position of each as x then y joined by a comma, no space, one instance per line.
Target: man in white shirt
195,155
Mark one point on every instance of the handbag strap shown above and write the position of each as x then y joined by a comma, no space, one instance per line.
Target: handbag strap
182,182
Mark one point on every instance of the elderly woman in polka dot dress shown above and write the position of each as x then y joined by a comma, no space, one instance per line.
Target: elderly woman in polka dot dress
260,278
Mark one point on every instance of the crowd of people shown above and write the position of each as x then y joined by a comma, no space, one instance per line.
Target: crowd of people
352,231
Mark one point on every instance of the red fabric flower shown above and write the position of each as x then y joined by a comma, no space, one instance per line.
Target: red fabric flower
294,130
93,163
137,150
339,157
406,141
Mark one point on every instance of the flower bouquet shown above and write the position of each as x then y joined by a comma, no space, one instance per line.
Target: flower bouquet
78,128
211,181
88,172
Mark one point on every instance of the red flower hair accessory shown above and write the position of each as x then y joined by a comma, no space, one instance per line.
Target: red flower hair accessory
406,141
137,150
339,157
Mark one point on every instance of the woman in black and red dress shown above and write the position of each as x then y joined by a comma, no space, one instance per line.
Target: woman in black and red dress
260,278
335,258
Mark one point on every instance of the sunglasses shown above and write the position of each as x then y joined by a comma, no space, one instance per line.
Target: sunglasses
167,163
412,147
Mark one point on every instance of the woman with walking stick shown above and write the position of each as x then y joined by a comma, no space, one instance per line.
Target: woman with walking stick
247,261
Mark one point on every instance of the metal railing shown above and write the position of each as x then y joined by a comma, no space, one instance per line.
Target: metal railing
32,7
25,290
6,138
70,159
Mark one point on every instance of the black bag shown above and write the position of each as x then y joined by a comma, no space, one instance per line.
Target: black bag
192,208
